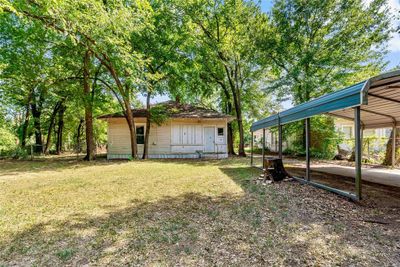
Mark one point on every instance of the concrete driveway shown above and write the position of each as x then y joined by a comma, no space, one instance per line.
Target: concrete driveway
376,175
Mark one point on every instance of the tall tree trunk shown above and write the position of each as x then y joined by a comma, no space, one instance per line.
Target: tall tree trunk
228,102
388,155
90,148
78,136
125,94
231,150
60,128
25,126
51,125
131,126
238,109
36,114
147,132
239,118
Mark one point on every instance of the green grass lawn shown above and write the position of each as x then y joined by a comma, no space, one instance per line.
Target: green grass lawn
179,212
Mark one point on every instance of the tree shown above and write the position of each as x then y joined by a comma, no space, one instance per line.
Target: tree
389,148
224,33
316,47
27,69
104,29
42,75
160,46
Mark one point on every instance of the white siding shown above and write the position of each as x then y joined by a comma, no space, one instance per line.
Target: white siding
173,137
118,137
186,134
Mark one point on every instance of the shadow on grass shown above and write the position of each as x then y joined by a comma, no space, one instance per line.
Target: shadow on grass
279,224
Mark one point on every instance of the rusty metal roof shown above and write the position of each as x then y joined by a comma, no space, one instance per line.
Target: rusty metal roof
175,109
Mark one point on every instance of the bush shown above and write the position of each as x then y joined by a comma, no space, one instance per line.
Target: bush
8,142
324,138
19,153
258,150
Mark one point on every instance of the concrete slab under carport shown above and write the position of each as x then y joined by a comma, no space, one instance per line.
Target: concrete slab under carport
374,174
377,175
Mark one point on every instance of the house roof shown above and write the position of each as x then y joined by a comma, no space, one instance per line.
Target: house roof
176,110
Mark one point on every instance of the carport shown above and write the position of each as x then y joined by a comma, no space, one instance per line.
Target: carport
373,103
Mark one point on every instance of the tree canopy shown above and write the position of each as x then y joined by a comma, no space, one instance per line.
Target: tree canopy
65,62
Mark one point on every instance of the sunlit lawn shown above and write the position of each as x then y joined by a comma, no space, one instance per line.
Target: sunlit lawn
68,212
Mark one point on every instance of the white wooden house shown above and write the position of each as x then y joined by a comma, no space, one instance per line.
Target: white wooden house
188,132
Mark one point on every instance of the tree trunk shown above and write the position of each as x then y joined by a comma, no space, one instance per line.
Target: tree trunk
125,93
51,125
90,148
238,110
231,150
242,153
25,127
388,155
78,136
147,131
132,129
60,128
36,114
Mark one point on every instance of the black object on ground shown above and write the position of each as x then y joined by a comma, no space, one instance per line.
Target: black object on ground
274,170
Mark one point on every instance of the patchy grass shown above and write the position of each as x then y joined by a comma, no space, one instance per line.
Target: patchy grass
68,212
65,254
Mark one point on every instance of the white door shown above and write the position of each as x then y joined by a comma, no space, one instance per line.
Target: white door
209,139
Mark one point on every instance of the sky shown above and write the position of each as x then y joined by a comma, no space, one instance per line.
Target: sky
393,56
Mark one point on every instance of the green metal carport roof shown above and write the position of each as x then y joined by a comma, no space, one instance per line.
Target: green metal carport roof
378,98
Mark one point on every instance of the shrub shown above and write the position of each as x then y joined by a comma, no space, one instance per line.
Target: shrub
7,142
324,138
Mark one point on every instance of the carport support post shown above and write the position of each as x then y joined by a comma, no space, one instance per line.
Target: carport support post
394,146
251,147
263,148
358,150
308,149
280,138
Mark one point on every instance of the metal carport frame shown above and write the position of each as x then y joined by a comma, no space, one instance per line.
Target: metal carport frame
373,103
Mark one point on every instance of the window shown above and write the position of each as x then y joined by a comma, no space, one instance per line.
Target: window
220,131
140,135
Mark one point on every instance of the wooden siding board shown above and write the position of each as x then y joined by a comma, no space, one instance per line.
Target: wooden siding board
162,137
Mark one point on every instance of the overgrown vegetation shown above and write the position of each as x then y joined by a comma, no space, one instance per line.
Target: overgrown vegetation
324,138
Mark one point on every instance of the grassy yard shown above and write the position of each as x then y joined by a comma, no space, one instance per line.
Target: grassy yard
67,212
